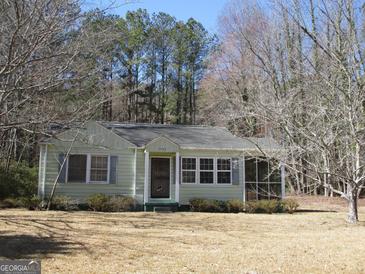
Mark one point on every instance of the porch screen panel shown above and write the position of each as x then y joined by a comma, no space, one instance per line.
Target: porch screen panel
250,170
262,170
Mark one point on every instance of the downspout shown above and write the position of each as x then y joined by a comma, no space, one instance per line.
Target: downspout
146,173
44,172
135,173
282,167
243,180
40,172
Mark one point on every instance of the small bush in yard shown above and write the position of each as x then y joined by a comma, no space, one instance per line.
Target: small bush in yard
122,203
31,203
213,206
10,203
263,206
102,202
98,202
290,205
196,204
252,207
206,205
19,180
64,203
235,206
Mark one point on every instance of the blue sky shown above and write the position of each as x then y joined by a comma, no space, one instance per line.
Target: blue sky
205,11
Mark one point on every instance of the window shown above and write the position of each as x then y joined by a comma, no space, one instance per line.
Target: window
99,169
188,170
87,168
223,171
206,171
77,168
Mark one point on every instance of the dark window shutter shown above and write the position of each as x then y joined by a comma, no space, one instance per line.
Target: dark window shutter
236,166
173,170
62,173
180,170
113,169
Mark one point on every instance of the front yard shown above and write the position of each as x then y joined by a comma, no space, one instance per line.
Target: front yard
88,242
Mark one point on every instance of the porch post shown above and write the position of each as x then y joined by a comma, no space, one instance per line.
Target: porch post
177,177
146,173
282,168
243,179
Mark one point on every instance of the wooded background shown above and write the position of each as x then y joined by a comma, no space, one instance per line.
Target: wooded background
291,70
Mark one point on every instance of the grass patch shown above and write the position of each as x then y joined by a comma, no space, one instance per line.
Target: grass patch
96,242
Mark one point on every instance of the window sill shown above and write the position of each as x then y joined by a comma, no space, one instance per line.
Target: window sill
89,183
207,185
98,183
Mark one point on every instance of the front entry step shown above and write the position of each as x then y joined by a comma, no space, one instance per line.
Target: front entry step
161,207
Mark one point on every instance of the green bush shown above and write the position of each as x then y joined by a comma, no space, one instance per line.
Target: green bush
98,202
290,205
196,204
235,206
211,206
10,203
102,202
18,181
264,206
206,205
31,203
64,203
252,207
121,204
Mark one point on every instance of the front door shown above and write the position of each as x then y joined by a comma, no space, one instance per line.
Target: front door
160,177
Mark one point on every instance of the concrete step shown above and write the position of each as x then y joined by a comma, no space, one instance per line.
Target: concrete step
161,207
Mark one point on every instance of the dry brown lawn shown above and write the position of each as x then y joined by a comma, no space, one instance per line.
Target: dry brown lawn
87,242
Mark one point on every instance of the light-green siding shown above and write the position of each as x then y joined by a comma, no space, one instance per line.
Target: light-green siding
220,192
95,139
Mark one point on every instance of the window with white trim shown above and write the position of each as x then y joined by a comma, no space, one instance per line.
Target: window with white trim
86,168
188,168
99,168
77,168
206,166
224,171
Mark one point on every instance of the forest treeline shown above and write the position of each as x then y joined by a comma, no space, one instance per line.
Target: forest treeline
296,70
59,64
291,70
150,65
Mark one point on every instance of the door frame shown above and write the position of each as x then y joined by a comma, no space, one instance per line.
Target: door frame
150,178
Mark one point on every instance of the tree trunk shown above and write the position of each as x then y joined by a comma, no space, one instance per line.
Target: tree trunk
352,216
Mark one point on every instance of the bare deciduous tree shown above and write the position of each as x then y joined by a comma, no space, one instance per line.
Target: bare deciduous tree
299,69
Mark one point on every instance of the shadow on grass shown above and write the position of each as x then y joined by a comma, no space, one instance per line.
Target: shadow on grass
25,246
315,211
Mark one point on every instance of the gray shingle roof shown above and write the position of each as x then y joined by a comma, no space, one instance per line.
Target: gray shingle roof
204,137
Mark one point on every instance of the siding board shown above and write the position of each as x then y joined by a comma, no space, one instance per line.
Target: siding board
95,139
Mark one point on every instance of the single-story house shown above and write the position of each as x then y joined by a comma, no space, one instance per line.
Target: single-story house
158,164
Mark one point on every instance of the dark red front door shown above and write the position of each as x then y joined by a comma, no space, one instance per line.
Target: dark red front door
160,177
